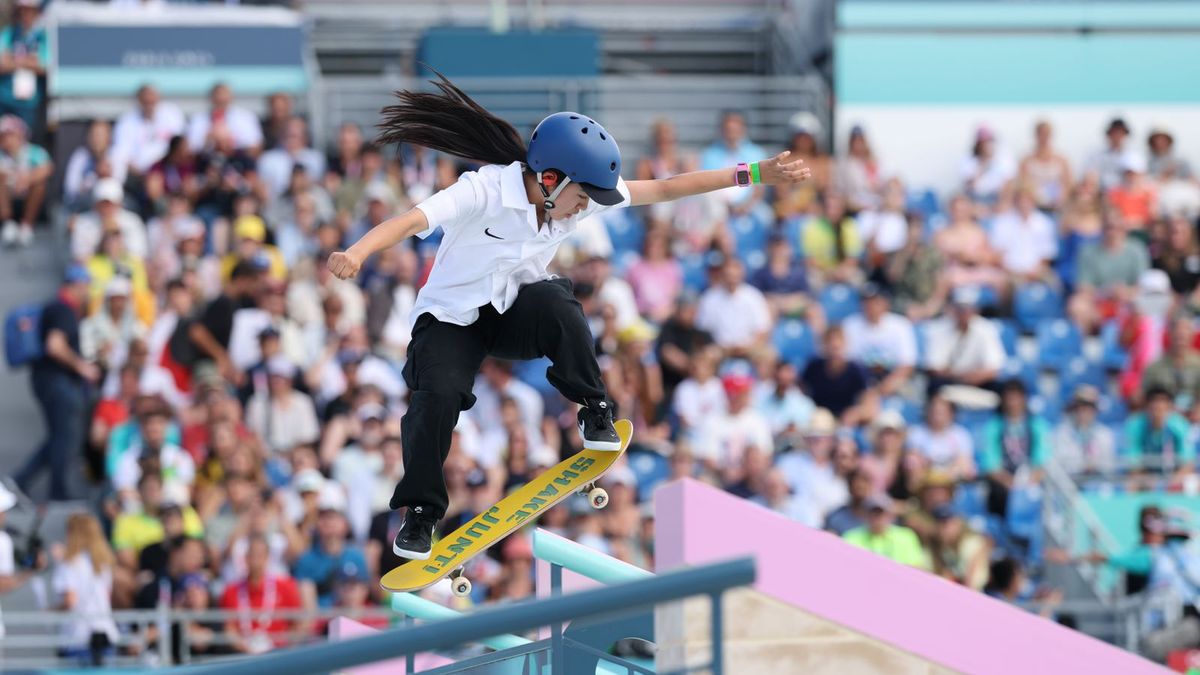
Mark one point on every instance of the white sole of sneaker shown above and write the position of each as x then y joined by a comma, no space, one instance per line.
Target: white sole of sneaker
597,445
411,555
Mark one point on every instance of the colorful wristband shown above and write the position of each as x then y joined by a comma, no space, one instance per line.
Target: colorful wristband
755,178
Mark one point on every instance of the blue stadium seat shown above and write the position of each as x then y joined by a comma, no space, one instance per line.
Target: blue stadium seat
1045,407
749,234
1017,369
792,230
1058,343
1112,411
912,411
1009,332
753,259
624,230
651,469
695,272
794,340
533,373
1079,371
926,202
622,260
1113,356
974,419
839,301
1034,303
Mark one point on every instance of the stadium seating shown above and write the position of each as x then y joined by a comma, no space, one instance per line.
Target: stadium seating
1059,342
793,339
839,301
1033,303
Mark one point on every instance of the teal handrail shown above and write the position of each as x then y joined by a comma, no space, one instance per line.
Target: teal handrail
579,558
427,610
632,596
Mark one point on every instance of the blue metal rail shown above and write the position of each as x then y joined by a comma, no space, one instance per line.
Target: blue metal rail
618,600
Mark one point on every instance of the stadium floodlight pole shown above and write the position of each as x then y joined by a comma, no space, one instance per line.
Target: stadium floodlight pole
615,600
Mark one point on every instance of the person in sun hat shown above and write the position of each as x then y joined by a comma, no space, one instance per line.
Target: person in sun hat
250,236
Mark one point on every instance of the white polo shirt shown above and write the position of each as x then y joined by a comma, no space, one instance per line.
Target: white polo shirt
493,244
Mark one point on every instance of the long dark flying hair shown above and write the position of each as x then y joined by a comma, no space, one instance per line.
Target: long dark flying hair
450,122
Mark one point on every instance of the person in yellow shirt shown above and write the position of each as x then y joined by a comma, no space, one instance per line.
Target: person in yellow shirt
250,234
158,519
881,535
113,258
831,241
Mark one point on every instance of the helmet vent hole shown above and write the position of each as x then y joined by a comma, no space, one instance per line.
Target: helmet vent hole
612,166
574,117
584,130
591,121
603,137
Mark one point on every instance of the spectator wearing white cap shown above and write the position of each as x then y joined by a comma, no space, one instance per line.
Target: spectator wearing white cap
1109,161
104,337
1026,239
281,416
811,472
25,171
96,159
1081,444
107,212
143,134
12,577
987,169
241,123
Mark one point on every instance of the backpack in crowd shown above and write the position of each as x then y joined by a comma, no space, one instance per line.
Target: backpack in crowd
23,335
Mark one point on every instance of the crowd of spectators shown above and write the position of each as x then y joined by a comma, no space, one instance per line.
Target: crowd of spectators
895,366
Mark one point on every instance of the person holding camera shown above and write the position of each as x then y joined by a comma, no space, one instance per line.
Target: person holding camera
12,578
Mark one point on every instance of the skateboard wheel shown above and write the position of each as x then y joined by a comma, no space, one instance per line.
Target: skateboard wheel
461,587
598,498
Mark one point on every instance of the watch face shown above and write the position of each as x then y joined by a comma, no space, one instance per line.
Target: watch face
743,177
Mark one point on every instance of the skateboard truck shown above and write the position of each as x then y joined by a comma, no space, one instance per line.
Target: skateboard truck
597,496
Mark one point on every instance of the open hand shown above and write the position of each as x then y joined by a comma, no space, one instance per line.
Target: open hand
778,170
344,265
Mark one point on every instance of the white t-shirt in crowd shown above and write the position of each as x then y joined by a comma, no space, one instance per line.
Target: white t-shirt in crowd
887,229
942,448
242,124
980,348
1024,242
1001,169
891,343
695,402
816,485
144,141
493,244
734,319
92,612
283,425
726,438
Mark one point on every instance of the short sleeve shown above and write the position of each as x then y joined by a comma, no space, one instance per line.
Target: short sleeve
593,207
452,207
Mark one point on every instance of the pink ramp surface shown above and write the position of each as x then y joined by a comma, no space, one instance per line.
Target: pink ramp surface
904,607
342,628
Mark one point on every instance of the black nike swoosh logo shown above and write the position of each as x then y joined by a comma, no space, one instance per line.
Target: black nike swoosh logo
485,231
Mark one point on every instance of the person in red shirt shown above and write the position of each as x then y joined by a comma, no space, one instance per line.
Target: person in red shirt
256,599
1135,198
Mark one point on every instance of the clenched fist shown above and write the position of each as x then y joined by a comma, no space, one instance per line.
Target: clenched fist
344,264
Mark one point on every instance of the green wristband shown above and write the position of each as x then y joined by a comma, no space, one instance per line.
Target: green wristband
755,178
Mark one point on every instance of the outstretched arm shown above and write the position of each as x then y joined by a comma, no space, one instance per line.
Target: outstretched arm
774,171
345,265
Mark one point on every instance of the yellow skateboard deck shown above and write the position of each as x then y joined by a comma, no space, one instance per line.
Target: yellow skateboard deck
518,508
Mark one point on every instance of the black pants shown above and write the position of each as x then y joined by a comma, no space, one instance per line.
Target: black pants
443,359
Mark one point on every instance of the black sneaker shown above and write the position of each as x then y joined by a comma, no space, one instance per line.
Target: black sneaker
596,427
415,538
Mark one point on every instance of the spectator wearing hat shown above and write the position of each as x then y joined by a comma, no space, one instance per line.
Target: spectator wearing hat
1012,441
352,595
726,437
1109,162
933,492
783,281
963,348
987,169
143,135
941,443
241,124
318,567
1046,170
254,600
58,380
853,513
1107,274
89,163
275,165
1025,239
859,177
882,536
810,470
280,415
26,170
1081,444
731,296
831,241
165,232
1162,158
780,401
105,336
881,340
915,274
839,384
113,258
108,212
1157,440
1178,371
250,234
1135,197
957,552
204,637
634,378
24,55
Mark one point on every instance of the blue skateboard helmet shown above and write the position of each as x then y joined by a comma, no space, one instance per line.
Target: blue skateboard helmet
579,147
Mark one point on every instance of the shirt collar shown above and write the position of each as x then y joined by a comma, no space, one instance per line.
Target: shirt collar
512,187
